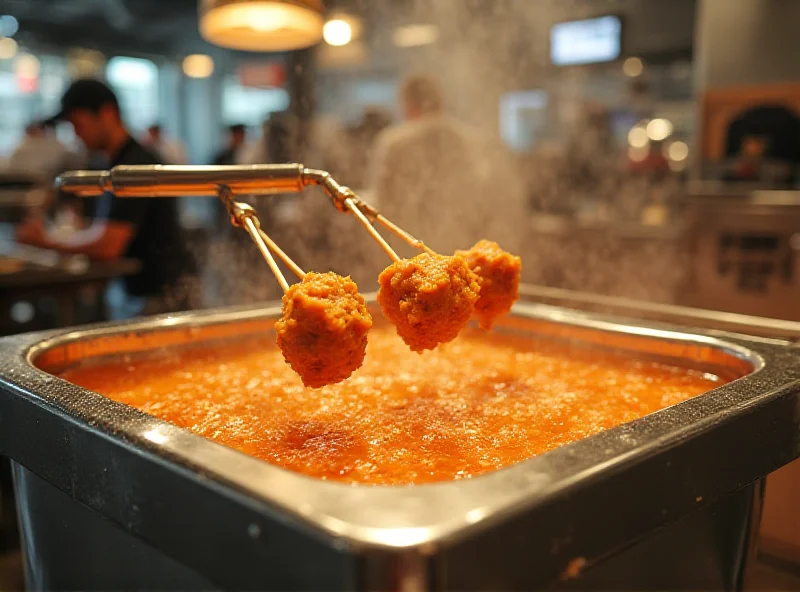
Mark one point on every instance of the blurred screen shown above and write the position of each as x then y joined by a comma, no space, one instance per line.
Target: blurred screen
585,42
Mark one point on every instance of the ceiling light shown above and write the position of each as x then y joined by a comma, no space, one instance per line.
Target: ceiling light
337,32
415,35
637,137
261,25
198,65
8,48
633,67
659,129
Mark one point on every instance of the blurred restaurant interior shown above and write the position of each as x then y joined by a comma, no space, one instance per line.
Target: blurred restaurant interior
637,153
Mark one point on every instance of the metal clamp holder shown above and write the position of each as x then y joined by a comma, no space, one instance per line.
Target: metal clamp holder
145,181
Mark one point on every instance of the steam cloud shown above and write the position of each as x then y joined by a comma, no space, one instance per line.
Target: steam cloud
483,51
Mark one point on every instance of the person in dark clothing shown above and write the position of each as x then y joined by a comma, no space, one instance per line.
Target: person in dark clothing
146,229
280,138
232,154
237,135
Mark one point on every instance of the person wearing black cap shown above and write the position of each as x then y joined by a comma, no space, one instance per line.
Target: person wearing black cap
146,229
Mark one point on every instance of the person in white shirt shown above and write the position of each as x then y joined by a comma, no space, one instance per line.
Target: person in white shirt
170,151
438,179
41,155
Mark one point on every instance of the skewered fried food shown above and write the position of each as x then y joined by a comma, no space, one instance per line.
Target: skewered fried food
498,274
429,298
323,331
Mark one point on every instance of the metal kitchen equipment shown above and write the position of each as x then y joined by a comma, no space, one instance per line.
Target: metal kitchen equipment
111,497
744,250
227,181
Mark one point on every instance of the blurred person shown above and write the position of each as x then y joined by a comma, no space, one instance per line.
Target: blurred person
278,142
255,152
327,148
139,228
41,155
439,179
361,141
281,141
169,151
231,154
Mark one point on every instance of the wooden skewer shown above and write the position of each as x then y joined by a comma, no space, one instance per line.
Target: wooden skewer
414,242
371,229
281,255
254,232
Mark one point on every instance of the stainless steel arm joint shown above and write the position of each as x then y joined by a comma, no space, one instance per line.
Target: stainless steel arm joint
338,193
237,210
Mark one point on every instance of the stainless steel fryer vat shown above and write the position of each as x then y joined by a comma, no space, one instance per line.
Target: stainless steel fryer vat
113,498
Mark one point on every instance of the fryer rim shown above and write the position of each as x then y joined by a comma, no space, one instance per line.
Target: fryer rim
401,518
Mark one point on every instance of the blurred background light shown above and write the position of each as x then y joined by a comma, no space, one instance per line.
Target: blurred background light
637,137
633,67
337,32
415,35
262,25
678,151
27,66
198,65
8,48
659,129
8,26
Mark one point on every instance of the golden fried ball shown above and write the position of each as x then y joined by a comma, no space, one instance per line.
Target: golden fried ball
429,298
498,275
323,331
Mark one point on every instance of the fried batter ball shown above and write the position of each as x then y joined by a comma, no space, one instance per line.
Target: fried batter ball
498,275
323,331
429,298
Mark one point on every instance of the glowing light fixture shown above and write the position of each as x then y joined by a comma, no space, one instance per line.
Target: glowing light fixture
659,129
637,137
198,65
337,32
8,48
261,25
415,35
633,67
678,151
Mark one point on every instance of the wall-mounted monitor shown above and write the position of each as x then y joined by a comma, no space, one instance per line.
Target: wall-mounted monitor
586,41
